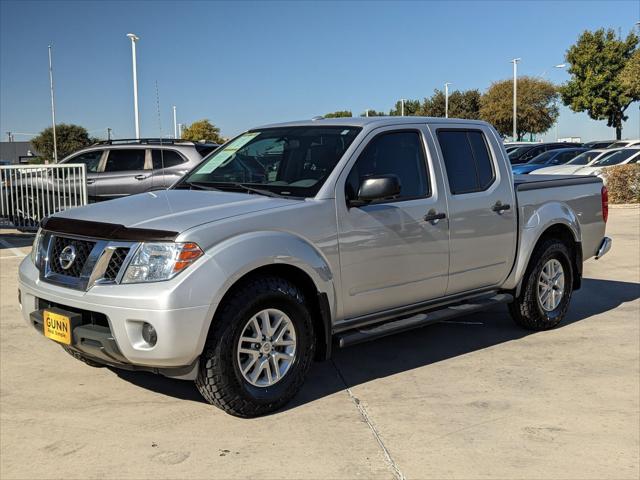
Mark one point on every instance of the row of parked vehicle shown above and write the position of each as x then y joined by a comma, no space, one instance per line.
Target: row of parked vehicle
564,158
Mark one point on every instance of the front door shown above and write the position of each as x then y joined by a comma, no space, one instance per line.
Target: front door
390,256
482,216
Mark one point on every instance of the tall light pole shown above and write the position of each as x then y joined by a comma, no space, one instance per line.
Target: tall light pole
402,107
175,123
446,99
53,110
515,98
134,38
560,65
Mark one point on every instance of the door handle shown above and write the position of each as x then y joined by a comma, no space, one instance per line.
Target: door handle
90,181
433,217
500,207
140,177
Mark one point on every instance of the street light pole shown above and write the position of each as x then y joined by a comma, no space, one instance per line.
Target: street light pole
515,98
175,124
53,110
134,38
446,99
402,107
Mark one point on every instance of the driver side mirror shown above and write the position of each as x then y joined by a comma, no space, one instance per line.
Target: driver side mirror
375,188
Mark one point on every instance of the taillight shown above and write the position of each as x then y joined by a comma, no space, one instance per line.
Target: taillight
604,195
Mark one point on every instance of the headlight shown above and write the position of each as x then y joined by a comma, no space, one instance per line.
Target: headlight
35,251
154,262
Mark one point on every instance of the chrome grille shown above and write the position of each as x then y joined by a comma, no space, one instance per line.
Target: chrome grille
115,263
82,250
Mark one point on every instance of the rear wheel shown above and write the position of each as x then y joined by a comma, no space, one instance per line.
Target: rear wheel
546,289
259,349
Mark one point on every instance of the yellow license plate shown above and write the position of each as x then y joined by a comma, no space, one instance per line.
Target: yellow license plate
57,327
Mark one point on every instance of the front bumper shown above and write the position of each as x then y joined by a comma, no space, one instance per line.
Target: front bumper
181,330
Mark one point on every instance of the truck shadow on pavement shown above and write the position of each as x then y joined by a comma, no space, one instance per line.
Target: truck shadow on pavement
15,240
417,348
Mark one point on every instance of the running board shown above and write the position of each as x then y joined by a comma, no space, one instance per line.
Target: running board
365,334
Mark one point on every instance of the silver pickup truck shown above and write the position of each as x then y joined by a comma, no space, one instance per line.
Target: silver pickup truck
295,238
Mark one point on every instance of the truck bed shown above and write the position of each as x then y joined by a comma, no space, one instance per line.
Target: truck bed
535,182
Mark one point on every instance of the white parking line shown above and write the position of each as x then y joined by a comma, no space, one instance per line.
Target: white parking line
12,249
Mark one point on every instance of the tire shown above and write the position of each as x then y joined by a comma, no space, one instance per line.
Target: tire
82,358
220,379
528,310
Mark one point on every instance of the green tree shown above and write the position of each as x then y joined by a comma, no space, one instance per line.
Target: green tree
202,130
596,63
69,138
630,76
339,114
537,109
411,107
461,104
373,113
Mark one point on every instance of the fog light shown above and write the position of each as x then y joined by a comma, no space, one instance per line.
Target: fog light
149,334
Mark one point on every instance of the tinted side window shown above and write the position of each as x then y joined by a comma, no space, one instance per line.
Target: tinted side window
122,160
165,158
90,159
467,160
397,153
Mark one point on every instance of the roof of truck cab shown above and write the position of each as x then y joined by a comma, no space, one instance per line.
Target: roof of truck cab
370,121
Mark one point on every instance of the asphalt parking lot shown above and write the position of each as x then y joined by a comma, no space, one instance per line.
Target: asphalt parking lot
473,398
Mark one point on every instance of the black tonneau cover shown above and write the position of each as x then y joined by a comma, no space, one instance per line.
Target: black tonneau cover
535,182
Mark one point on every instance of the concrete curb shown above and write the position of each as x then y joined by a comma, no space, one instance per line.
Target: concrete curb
624,205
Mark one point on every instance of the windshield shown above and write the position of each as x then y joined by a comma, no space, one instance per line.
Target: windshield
543,158
616,157
518,151
288,161
584,158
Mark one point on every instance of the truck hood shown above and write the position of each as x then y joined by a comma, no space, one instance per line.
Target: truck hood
174,210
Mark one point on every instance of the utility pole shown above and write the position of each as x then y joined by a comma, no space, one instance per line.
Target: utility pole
10,137
515,98
180,125
134,38
446,99
108,133
175,124
402,107
53,110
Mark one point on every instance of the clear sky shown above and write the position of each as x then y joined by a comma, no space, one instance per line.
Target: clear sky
242,64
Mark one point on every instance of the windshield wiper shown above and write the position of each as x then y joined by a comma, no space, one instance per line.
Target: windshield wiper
266,193
199,185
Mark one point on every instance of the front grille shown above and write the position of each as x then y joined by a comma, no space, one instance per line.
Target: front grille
82,250
115,264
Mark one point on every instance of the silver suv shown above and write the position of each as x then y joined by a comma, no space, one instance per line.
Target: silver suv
116,168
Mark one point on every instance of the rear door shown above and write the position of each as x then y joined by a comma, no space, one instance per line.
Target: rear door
126,171
482,216
168,166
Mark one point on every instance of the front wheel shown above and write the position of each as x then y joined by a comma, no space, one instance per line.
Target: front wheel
546,289
259,349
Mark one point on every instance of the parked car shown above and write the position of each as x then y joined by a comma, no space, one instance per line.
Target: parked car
116,168
621,157
598,144
549,158
580,161
525,153
625,143
296,237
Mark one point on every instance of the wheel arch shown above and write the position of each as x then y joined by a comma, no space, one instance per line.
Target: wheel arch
287,256
563,231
